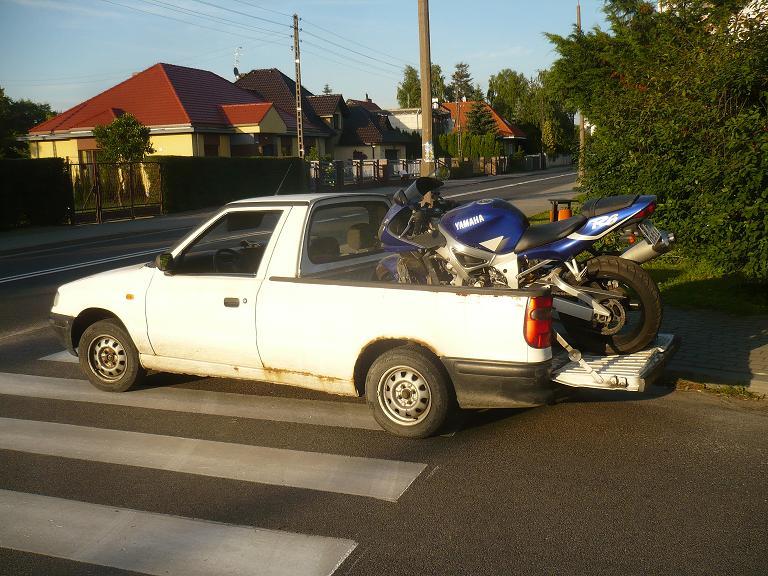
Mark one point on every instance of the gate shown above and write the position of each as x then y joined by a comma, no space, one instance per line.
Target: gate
115,191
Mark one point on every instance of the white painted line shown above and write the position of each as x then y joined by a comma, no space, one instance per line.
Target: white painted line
507,185
276,409
160,544
76,266
62,356
371,477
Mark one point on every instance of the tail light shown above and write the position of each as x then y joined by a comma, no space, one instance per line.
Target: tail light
647,211
538,321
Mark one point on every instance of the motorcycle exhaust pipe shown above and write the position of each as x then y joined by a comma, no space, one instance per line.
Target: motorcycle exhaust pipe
643,251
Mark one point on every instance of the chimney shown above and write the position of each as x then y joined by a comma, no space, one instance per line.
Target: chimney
366,97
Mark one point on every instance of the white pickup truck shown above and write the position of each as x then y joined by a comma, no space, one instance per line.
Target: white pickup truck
281,290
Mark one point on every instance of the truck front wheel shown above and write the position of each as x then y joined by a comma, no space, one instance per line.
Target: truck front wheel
108,357
408,392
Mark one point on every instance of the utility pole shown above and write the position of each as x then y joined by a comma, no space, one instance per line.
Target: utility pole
582,133
425,63
297,60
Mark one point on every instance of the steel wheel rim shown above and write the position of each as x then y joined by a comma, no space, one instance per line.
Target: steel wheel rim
107,357
404,396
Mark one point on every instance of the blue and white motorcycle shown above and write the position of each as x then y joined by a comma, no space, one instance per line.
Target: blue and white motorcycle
607,303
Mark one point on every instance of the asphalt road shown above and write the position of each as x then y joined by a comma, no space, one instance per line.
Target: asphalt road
598,483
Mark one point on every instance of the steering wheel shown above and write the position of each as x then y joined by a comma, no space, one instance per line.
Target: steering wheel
225,260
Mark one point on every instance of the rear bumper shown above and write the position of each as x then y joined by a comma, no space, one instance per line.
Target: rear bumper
493,384
62,326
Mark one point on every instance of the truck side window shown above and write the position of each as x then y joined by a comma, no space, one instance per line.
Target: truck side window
234,244
341,231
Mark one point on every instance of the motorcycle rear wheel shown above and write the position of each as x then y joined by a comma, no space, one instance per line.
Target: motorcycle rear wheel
636,308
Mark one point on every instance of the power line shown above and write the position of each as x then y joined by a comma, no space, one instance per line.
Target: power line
353,41
377,68
185,21
241,13
345,64
263,8
397,66
198,14
103,76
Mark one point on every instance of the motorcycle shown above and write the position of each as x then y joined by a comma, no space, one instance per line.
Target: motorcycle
605,301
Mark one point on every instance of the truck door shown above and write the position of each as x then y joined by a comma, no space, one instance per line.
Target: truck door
203,307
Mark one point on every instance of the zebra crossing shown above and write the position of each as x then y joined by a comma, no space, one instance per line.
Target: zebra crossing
149,542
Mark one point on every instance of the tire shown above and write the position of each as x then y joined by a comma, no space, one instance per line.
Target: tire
640,323
409,392
109,358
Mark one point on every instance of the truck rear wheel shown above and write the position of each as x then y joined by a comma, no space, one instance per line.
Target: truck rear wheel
408,392
109,358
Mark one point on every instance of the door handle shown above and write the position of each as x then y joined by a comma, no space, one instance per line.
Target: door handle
231,302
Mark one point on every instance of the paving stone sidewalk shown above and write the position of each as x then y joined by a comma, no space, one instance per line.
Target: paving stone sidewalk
720,348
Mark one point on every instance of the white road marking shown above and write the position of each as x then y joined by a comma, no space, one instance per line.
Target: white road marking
160,544
371,477
24,331
77,266
276,409
62,356
507,185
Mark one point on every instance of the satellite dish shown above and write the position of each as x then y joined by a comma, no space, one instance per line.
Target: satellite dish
237,72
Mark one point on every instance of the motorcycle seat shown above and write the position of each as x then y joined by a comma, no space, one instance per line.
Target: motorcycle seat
598,206
535,236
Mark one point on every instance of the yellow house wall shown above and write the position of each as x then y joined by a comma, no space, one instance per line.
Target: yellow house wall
173,144
56,149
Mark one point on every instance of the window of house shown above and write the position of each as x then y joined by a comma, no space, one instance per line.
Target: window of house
336,121
286,145
211,144
342,231
391,153
234,244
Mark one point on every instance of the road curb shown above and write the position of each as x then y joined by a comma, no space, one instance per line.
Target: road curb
719,379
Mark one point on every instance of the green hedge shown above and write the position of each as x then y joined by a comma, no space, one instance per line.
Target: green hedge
34,192
189,183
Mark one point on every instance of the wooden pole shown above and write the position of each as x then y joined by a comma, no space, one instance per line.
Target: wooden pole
297,60
427,146
582,132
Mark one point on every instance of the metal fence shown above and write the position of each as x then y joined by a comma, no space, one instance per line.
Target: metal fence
111,191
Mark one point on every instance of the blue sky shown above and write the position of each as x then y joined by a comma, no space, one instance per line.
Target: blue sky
65,51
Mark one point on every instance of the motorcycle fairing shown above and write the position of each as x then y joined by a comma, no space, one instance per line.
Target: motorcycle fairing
592,230
489,225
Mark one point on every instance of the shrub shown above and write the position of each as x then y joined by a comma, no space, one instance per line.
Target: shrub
189,183
680,104
36,192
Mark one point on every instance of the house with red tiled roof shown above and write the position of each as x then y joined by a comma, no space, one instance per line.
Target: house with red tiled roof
357,129
271,85
511,135
189,112
368,134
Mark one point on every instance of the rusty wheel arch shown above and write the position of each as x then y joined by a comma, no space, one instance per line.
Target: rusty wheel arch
376,348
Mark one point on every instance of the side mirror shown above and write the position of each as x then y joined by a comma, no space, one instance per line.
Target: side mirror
400,198
164,261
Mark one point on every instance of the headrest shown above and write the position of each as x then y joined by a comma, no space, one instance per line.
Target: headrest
324,249
361,237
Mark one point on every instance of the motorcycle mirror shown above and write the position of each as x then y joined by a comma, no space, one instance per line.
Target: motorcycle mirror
400,198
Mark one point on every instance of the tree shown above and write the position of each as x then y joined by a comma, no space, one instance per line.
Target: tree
16,118
679,99
122,141
461,85
125,139
480,120
438,83
508,94
409,90
327,89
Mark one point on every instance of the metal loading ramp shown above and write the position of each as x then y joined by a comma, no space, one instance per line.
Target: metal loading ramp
630,372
